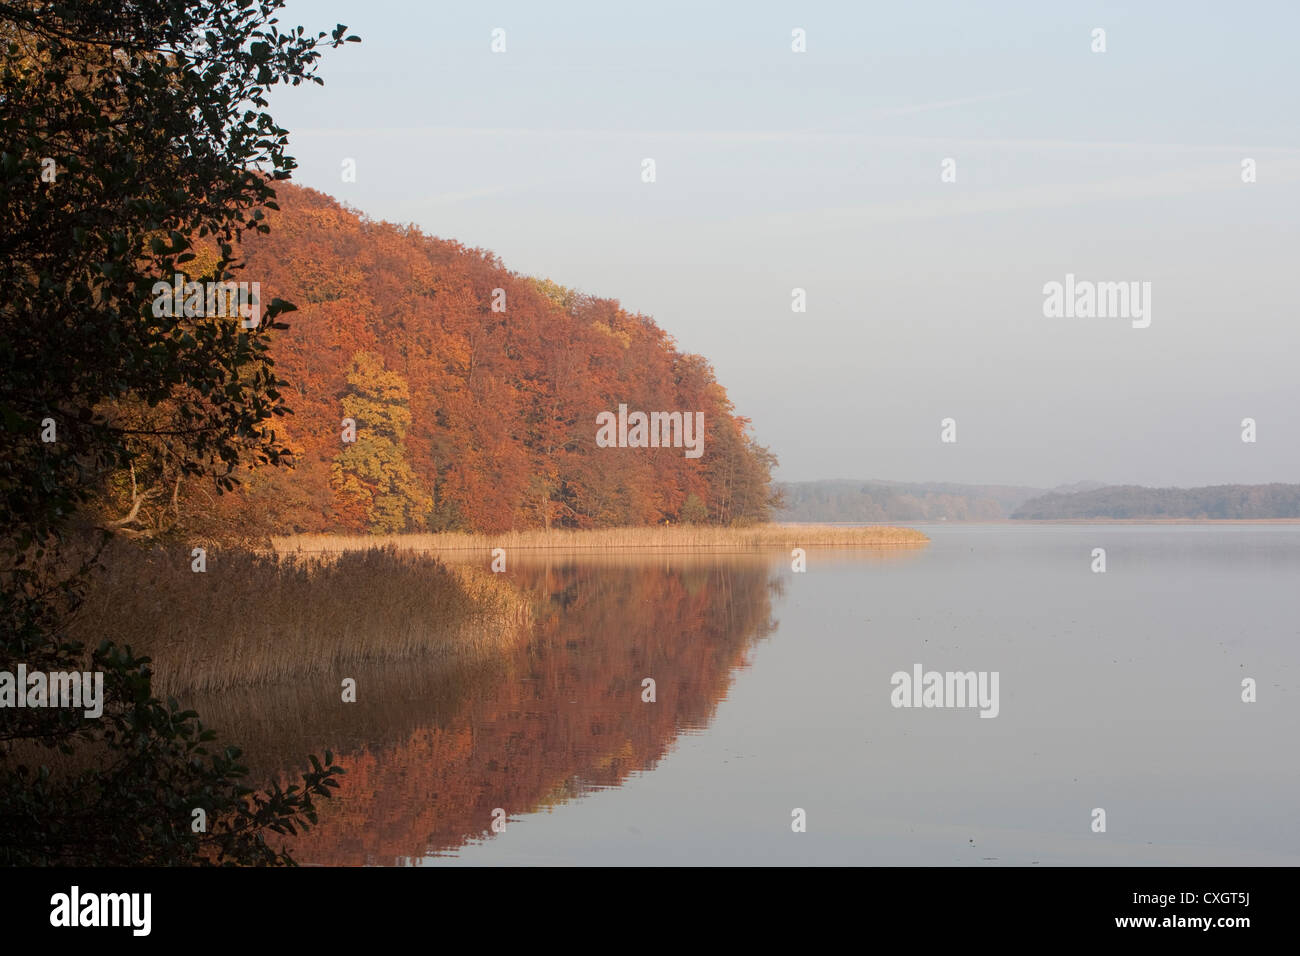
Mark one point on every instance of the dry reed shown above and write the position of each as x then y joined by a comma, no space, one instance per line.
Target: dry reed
704,538
255,619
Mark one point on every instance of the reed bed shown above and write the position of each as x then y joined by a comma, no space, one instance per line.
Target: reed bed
698,538
257,619
669,559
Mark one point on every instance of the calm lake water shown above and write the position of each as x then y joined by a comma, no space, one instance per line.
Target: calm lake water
1120,691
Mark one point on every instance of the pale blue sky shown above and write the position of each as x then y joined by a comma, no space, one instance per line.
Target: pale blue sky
821,170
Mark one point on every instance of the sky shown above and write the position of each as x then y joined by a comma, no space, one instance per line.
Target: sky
823,170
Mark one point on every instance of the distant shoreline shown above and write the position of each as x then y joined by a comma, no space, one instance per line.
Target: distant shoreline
1148,521
906,503
1029,521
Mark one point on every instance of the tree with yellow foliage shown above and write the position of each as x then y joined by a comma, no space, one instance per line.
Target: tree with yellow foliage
375,471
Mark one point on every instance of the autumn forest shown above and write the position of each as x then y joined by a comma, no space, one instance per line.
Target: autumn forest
474,391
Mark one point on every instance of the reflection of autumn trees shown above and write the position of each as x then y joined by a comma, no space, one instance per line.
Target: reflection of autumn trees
567,716
502,404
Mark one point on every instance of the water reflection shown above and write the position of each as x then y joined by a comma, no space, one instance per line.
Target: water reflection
1121,691
430,755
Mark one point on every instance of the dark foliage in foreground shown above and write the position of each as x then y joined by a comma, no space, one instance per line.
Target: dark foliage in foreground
128,132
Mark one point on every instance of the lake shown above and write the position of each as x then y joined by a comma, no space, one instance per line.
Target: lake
1119,691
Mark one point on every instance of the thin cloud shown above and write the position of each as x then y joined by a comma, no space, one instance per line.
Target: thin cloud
948,104
465,195
1219,177
783,136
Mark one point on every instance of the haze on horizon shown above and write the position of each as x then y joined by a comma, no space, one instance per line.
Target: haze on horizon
821,170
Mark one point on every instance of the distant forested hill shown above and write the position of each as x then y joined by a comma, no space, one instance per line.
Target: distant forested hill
842,500
1134,501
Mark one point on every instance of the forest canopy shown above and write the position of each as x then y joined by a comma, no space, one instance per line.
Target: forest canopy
474,393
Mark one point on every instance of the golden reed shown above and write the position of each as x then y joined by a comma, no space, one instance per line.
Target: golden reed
257,618
672,538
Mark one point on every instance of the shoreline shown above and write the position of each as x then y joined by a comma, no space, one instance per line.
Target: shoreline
651,539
